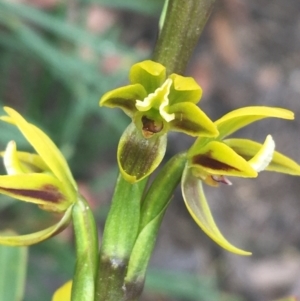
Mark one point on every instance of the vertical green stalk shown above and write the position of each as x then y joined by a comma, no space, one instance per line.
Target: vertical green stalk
128,241
86,240
121,229
183,25
153,208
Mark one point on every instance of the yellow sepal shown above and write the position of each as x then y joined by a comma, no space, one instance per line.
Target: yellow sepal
240,118
198,207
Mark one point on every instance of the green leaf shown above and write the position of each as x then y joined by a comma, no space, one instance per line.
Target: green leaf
13,262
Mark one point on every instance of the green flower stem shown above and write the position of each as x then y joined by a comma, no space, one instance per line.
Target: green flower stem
153,209
86,239
119,236
162,188
183,25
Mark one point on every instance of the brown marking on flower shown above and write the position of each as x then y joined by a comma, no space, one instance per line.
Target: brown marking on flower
128,105
151,127
183,124
47,193
206,160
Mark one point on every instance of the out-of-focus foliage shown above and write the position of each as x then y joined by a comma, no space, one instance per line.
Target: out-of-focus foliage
13,263
186,286
51,68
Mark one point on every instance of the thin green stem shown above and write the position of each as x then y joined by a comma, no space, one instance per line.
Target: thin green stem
128,241
119,236
183,25
86,239
153,208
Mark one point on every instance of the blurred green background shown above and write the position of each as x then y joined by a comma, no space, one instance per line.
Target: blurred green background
58,57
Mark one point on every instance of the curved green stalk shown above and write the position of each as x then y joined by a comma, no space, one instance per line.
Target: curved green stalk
153,208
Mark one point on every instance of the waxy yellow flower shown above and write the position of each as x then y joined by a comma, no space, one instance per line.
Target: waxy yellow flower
211,160
43,178
156,104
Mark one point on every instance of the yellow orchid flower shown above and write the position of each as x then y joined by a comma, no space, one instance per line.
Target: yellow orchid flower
43,178
156,104
211,160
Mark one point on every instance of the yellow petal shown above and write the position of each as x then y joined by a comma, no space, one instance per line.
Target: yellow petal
30,162
184,89
197,206
44,147
63,293
42,189
216,158
34,238
190,119
280,163
149,74
124,98
239,118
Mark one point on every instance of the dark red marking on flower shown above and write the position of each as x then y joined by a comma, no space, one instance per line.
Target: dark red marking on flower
207,161
150,126
47,193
